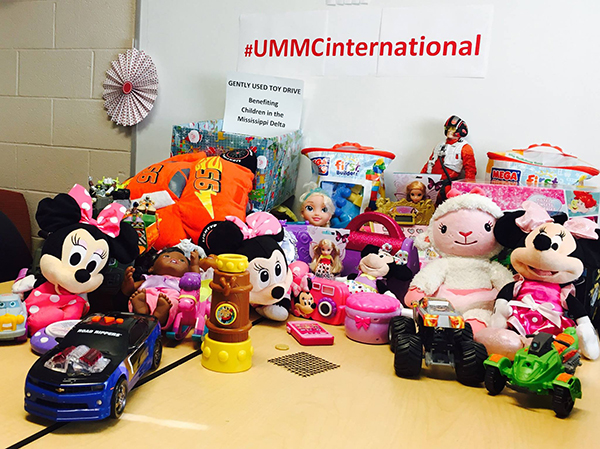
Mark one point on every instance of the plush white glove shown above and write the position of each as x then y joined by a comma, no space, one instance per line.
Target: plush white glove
502,311
24,285
588,338
273,312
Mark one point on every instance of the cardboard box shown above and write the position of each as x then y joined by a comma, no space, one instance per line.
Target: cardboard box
278,157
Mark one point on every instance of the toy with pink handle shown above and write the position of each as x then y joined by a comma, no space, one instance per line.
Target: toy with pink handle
185,320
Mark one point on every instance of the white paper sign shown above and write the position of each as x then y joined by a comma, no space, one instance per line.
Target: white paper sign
264,106
447,41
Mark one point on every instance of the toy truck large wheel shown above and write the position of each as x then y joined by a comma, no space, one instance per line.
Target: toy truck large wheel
408,355
467,332
494,380
562,401
157,353
119,399
469,363
400,325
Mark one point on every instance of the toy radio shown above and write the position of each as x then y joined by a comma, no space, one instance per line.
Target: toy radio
330,300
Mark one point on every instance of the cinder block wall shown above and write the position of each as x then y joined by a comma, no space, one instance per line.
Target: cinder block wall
54,131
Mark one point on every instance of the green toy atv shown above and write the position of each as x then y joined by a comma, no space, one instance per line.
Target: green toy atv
545,367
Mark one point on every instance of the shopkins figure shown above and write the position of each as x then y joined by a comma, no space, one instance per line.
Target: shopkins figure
158,294
326,261
317,207
454,156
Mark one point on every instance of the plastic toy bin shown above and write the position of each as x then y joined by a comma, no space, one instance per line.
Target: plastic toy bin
278,157
352,175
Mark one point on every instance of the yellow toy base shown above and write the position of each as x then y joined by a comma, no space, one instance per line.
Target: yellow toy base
226,357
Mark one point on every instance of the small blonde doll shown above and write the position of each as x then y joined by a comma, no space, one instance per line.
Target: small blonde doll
416,192
326,261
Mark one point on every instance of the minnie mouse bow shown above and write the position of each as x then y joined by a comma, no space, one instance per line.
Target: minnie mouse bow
257,224
535,215
400,258
108,221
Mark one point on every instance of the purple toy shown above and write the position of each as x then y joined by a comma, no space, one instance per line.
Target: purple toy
191,313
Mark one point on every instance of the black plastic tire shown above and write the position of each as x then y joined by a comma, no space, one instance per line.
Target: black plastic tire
119,399
400,325
157,354
408,356
494,380
562,402
469,363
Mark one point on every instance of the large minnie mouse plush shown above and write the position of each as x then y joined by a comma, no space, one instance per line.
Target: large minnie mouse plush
549,255
74,256
257,239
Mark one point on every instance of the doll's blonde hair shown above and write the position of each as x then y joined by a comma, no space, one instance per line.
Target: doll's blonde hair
416,185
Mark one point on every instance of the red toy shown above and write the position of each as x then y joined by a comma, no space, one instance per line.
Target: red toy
195,183
309,333
454,156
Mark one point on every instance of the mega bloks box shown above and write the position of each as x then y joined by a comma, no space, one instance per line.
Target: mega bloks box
572,200
278,157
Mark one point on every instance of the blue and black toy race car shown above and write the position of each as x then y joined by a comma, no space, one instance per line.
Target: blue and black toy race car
88,375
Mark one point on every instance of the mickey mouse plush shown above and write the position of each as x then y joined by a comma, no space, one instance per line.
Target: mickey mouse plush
549,255
74,256
257,239
376,267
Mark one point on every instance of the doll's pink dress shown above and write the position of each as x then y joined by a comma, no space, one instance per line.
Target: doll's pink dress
539,307
45,306
169,286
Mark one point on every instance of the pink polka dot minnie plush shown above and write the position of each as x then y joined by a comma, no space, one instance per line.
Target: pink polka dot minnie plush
74,256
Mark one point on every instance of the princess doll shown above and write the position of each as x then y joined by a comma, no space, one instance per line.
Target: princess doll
316,206
326,261
415,192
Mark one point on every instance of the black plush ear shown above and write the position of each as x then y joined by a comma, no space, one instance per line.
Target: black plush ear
400,272
369,249
221,237
58,212
560,218
507,232
124,248
244,157
589,251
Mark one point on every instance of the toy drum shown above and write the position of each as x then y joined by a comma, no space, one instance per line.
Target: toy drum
368,316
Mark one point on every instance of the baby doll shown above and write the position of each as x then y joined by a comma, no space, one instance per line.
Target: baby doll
415,192
453,156
158,294
549,255
461,232
316,206
326,261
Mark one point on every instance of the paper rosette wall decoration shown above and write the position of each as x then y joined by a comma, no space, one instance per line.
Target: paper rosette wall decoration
130,87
